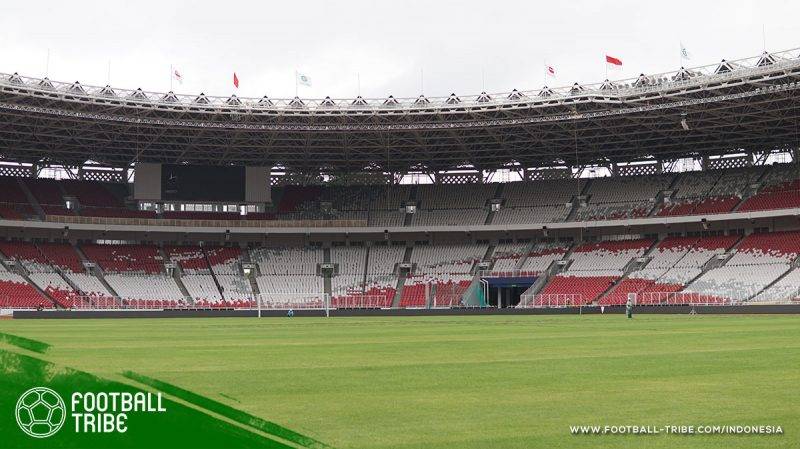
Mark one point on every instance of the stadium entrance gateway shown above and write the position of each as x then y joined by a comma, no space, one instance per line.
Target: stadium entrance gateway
506,292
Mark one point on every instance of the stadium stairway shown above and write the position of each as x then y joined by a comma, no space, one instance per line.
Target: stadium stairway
664,195
213,275
31,199
326,280
554,268
712,263
177,273
401,280
72,285
750,191
252,278
521,261
96,271
635,264
498,193
20,270
468,296
365,269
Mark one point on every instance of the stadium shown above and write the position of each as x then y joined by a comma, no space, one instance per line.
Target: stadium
423,271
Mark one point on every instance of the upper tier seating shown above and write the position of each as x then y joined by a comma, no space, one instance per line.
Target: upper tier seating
625,197
462,196
11,192
525,215
448,217
780,189
46,191
116,212
541,193
193,215
92,193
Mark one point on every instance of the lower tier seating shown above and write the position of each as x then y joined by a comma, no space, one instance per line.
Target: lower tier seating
580,289
149,290
15,292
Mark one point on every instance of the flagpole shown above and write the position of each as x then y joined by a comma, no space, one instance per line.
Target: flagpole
421,81
295,83
108,79
47,64
170,77
358,82
544,72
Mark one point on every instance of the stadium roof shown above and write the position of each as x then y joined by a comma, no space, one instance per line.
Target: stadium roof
749,104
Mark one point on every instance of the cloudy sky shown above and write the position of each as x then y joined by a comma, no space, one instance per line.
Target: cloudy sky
395,45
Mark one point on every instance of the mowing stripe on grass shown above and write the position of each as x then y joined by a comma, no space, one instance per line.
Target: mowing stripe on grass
228,412
25,343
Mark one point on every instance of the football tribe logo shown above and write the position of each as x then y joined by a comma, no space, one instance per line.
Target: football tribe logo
40,412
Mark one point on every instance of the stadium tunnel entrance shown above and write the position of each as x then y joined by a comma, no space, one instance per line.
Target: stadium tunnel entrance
506,292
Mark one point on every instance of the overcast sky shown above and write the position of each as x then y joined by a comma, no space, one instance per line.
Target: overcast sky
387,42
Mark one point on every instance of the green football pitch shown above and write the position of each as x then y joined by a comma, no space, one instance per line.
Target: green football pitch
464,382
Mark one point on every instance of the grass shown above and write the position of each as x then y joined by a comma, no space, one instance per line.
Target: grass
464,382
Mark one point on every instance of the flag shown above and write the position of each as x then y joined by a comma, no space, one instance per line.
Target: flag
685,53
613,61
550,71
235,80
177,75
304,80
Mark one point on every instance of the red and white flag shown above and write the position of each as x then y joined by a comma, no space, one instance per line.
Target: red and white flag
235,80
550,70
614,62
177,76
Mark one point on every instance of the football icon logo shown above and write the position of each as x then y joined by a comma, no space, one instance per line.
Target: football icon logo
40,412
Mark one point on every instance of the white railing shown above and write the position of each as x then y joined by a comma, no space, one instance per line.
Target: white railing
682,298
550,300
360,301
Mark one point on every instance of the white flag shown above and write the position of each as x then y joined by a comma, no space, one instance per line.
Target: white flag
685,53
550,70
177,75
304,80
